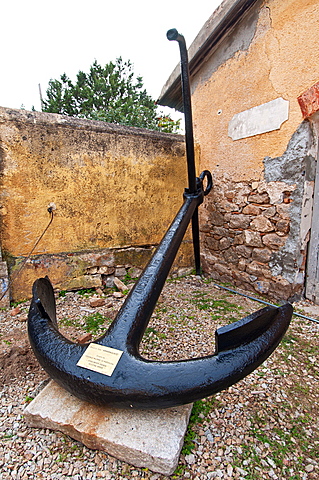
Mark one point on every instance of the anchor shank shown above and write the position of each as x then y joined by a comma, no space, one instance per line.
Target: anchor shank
128,328
189,136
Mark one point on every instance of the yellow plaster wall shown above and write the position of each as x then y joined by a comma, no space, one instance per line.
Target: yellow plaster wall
281,61
112,186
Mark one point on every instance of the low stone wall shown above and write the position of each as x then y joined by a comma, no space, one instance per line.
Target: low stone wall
113,188
90,269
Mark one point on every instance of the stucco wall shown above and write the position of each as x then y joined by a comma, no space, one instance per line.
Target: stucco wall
271,54
115,188
281,61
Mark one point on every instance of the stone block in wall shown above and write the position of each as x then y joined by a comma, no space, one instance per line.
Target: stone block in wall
261,224
105,270
251,210
244,251
222,269
242,264
205,227
259,198
221,231
261,286
120,271
207,260
280,288
239,221
273,241
256,268
82,281
252,239
309,101
238,238
216,218
269,212
225,242
224,206
283,226
212,243
241,278
231,256
283,210
262,255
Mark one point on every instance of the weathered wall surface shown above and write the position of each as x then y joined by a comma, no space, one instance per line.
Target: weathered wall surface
114,188
270,55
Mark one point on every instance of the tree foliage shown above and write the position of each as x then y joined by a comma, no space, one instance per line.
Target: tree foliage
111,94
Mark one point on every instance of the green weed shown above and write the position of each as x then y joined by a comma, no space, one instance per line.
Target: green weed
93,322
86,292
281,445
15,304
154,332
68,322
218,308
200,410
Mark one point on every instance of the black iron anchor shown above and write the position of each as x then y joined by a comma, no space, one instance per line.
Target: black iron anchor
136,382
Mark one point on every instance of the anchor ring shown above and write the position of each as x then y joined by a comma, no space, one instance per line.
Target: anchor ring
206,174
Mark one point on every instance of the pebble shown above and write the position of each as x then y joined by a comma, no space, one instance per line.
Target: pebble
15,311
118,295
97,302
309,468
119,284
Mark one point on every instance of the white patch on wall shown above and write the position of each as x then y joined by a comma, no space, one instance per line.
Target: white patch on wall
264,118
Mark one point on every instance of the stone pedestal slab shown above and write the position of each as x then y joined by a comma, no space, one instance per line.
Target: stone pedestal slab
144,438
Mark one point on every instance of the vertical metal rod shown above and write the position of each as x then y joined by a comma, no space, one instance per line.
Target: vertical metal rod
189,137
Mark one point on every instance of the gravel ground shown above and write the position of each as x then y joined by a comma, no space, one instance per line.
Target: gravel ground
264,427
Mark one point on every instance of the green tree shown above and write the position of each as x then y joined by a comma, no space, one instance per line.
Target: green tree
111,94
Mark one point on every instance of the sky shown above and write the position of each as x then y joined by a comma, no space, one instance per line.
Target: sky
40,40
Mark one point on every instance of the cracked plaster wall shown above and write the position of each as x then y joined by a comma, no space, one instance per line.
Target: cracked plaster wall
281,60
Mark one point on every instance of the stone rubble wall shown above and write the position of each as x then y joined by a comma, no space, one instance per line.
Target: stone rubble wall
92,269
241,233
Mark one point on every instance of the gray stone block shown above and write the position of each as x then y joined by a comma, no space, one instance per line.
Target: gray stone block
4,284
144,438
